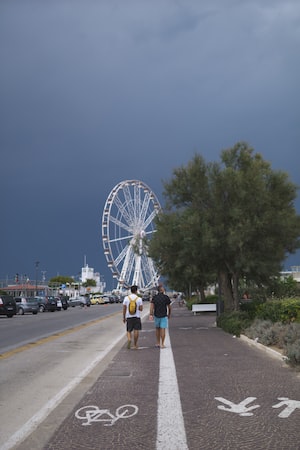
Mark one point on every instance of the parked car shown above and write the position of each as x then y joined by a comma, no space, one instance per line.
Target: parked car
118,299
101,300
58,303
97,300
8,306
46,303
26,305
115,299
80,301
64,303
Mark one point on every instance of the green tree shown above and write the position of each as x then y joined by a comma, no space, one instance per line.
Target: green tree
60,279
181,244
283,287
178,252
89,283
234,219
260,224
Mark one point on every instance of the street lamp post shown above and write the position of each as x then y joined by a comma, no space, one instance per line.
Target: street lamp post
36,275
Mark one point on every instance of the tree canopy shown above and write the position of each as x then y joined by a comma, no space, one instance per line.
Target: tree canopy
61,279
89,283
224,222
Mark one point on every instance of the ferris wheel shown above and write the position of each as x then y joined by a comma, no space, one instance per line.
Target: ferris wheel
127,227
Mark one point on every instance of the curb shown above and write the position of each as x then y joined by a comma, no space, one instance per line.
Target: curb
268,350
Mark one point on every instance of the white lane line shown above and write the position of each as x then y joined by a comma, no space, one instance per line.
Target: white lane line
170,424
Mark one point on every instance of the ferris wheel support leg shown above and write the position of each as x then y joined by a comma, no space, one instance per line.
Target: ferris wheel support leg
137,272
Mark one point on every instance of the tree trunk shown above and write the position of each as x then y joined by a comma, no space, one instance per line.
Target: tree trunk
235,291
202,293
226,290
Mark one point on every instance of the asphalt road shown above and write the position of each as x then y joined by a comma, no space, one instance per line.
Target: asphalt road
21,330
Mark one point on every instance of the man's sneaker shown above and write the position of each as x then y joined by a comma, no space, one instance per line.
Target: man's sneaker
128,345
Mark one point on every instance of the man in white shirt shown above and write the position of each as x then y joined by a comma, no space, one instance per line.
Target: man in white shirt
133,319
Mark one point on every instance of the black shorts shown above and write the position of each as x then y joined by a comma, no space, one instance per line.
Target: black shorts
133,323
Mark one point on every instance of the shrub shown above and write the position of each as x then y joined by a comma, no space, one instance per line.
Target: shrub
189,303
270,310
293,353
269,333
284,336
280,330
196,299
271,323
250,307
212,298
290,310
234,322
284,311
292,333
261,330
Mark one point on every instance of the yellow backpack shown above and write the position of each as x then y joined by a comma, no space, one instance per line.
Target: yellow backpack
132,305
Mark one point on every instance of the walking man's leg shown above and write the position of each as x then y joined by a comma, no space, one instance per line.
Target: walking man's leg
162,337
128,339
157,332
135,338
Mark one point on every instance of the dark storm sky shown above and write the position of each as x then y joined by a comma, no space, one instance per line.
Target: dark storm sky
96,92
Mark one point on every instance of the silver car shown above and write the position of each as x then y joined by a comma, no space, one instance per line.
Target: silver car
79,301
26,305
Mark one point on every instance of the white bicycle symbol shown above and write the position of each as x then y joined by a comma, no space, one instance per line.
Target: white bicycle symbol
94,414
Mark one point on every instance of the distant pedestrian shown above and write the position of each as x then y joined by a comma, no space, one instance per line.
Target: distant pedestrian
180,300
132,319
160,309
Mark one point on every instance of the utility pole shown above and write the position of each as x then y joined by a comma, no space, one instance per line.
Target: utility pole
36,275
44,275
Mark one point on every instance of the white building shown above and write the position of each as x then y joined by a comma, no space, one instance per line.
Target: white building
87,273
294,272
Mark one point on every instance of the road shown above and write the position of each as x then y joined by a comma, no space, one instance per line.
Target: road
21,330
46,357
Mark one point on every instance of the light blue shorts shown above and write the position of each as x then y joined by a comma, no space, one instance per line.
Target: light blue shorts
161,322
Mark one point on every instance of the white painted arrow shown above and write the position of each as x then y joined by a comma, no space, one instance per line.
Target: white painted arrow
238,408
291,405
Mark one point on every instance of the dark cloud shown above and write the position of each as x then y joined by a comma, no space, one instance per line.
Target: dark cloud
93,93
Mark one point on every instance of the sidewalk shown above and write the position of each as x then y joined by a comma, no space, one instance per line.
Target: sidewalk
233,396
